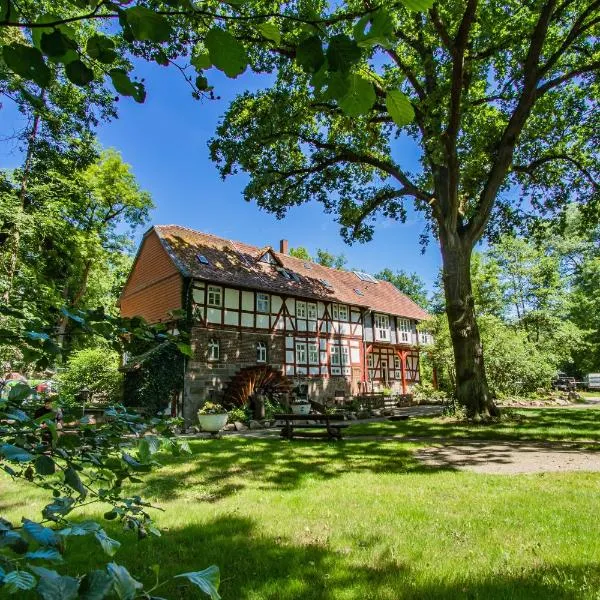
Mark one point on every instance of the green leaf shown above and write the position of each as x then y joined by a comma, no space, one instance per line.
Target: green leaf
309,54
73,480
399,107
79,73
43,535
125,86
56,43
185,349
15,453
44,465
124,585
270,31
208,580
45,554
381,31
95,585
418,5
58,587
201,82
226,53
18,581
19,392
201,61
109,545
8,11
359,98
342,53
27,62
18,415
101,48
337,86
146,25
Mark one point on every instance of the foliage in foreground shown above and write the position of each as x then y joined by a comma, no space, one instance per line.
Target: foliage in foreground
85,463
96,370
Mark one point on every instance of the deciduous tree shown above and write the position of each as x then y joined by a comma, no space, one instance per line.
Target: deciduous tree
505,105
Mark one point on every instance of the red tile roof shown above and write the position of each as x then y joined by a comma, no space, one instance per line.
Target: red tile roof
235,263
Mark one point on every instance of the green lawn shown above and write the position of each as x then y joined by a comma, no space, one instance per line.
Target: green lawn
547,424
357,520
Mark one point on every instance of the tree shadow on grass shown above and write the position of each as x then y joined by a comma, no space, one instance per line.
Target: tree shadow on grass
256,566
219,468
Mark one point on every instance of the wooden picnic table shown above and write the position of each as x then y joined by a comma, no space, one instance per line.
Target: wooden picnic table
311,421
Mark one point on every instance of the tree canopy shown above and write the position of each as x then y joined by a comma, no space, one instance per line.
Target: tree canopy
505,104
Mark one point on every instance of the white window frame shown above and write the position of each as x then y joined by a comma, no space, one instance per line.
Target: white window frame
311,311
261,352
345,355
405,329
334,311
382,326
263,303
334,355
313,354
301,310
342,312
397,365
214,295
214,350
370,361
301,353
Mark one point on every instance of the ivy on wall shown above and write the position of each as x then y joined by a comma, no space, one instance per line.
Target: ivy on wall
154,377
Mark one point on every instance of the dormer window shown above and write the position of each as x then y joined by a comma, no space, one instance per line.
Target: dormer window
268,258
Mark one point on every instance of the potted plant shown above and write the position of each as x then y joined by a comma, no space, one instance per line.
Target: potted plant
212,417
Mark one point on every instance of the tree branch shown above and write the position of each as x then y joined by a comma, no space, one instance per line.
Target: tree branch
532,166
508,141
459,47
552,83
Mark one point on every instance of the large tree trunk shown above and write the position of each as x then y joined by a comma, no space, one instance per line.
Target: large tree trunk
471,384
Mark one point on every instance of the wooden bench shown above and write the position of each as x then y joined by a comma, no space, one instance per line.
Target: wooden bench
313,421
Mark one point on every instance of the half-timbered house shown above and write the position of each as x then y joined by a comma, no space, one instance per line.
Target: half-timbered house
257,313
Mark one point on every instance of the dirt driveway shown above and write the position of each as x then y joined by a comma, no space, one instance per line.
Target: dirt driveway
510,457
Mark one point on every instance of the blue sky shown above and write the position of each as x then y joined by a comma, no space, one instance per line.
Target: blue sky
165,141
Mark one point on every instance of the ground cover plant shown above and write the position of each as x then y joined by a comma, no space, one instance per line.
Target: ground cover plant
358,519
542,425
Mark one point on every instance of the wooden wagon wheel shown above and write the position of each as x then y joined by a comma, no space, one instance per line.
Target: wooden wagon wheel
251,380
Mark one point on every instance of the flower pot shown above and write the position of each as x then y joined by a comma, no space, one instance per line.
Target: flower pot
212,422
301,409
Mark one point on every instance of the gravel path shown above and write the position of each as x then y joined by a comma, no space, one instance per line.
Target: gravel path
506,458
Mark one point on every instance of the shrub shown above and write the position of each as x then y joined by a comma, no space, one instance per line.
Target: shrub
95,369
239,414
211,408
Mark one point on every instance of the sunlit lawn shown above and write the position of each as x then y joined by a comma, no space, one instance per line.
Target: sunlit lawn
548,424
356,520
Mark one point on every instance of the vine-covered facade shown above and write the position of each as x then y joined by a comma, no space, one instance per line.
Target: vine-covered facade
336,332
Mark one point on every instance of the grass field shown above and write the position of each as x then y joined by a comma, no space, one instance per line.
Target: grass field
358,519
547,424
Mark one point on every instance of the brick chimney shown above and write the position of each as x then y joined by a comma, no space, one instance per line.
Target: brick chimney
283,246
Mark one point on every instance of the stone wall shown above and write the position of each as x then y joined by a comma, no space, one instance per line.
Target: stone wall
207,379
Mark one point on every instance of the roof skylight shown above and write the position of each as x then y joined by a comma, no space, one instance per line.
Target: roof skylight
365,276
326,283
202,259
358,292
